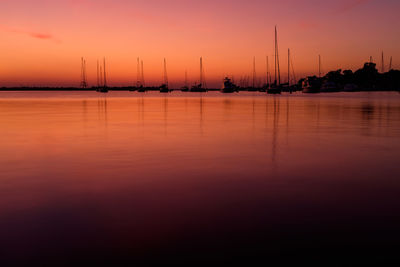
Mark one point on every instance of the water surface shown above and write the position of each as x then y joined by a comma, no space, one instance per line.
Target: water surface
128,178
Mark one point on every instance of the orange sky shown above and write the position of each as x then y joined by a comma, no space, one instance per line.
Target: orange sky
42,41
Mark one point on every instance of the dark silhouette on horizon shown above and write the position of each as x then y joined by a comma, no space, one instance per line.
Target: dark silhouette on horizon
367,78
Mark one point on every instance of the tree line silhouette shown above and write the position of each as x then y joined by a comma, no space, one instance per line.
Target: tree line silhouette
366,78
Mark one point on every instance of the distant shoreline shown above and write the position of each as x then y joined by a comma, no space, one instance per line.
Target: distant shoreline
366,79
75,89
155,89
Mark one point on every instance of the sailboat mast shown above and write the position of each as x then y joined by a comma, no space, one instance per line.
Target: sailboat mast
142,72
201,71
390,64
268,80
82,77
138,83
294,74
254,72
319,66
84,73
186,79
288,66
383,63
104,69
98,74
275,57
165,73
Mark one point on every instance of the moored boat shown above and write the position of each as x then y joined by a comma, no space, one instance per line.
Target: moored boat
229,86
329,87
141,89
311,85
201,86
102,89
274,89
164,87
198,88
185,89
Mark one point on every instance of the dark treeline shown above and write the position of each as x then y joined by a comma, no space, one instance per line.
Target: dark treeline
365,79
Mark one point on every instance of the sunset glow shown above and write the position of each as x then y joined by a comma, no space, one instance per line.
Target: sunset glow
199,132
42,41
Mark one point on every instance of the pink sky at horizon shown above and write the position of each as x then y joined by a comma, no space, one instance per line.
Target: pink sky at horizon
42,41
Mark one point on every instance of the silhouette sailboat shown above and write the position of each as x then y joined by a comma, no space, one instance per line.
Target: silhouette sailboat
200,87
164,86
140,77
185,88
103,89
276,87
312,84
253,86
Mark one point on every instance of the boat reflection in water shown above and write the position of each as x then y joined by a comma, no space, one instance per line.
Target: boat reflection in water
127,178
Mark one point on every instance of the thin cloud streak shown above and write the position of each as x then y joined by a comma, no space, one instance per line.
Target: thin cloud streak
36,35
41,35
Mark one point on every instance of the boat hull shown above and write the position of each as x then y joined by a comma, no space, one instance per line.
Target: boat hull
198,90
228,91
102,90
311,90
274,91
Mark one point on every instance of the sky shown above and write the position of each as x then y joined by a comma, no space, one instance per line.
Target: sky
42,41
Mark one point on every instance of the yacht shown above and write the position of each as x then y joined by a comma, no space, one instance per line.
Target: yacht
311,84
276,87
200,87
102,89
329,87
164,88
229,86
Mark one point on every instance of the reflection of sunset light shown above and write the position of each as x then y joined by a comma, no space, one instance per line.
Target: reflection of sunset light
43,41
131,174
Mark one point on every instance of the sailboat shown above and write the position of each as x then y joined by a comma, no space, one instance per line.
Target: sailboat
185,88
276,87
287,87
83,73
140,77
200,87
164,86
268,78
288,76
103,89
312,84
253,86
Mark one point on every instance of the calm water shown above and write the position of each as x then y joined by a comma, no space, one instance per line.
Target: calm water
130,178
